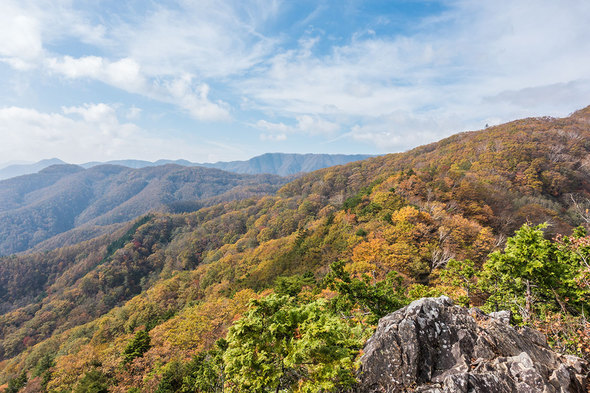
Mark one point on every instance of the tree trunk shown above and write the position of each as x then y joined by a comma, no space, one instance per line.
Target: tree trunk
528,305
559,301
282,373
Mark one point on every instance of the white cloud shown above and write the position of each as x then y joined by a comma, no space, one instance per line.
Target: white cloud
86,133
133,113
478,61
20,38
306,124
124,74
316,125
26,26
273,137
363,78
99,114
211,38
162,51
28,134
273,127
552,99
401,130
193,98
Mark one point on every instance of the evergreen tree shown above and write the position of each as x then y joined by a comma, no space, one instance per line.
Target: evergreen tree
280,345
139,345
378,298
94,381
528,275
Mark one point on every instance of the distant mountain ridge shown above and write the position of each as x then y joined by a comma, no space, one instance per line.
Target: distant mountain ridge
286,164
61,198
138,164
282,164
25,169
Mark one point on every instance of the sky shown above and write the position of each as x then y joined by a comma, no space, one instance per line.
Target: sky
223,80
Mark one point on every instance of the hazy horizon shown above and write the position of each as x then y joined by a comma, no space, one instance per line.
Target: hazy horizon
11,163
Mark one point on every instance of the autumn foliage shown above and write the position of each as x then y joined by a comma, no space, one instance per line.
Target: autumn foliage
144,309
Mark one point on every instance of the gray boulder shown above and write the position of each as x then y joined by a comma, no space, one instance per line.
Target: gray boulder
436,347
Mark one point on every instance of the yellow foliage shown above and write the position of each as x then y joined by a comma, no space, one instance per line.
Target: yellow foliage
198,327
368,258
70,368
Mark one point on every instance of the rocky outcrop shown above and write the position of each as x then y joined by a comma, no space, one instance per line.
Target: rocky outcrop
436,347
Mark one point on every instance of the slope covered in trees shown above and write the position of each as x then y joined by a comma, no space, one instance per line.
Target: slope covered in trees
291,285
35,208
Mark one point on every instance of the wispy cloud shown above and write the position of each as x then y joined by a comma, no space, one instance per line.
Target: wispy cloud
126,74
210,39
439,78
386,85
168,54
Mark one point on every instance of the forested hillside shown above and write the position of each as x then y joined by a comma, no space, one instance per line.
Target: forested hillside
35,208
278,293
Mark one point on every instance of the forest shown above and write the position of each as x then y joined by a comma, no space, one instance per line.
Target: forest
280,292
67,204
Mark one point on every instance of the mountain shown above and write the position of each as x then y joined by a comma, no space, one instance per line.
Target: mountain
281,164
60,198
272,163
137,164
286,164
35,209
292,284
25,169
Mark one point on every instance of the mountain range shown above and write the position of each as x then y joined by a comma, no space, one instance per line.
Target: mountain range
177,300
64,204
281,164
35,208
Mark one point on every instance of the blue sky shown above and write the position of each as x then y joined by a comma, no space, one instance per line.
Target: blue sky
227,79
